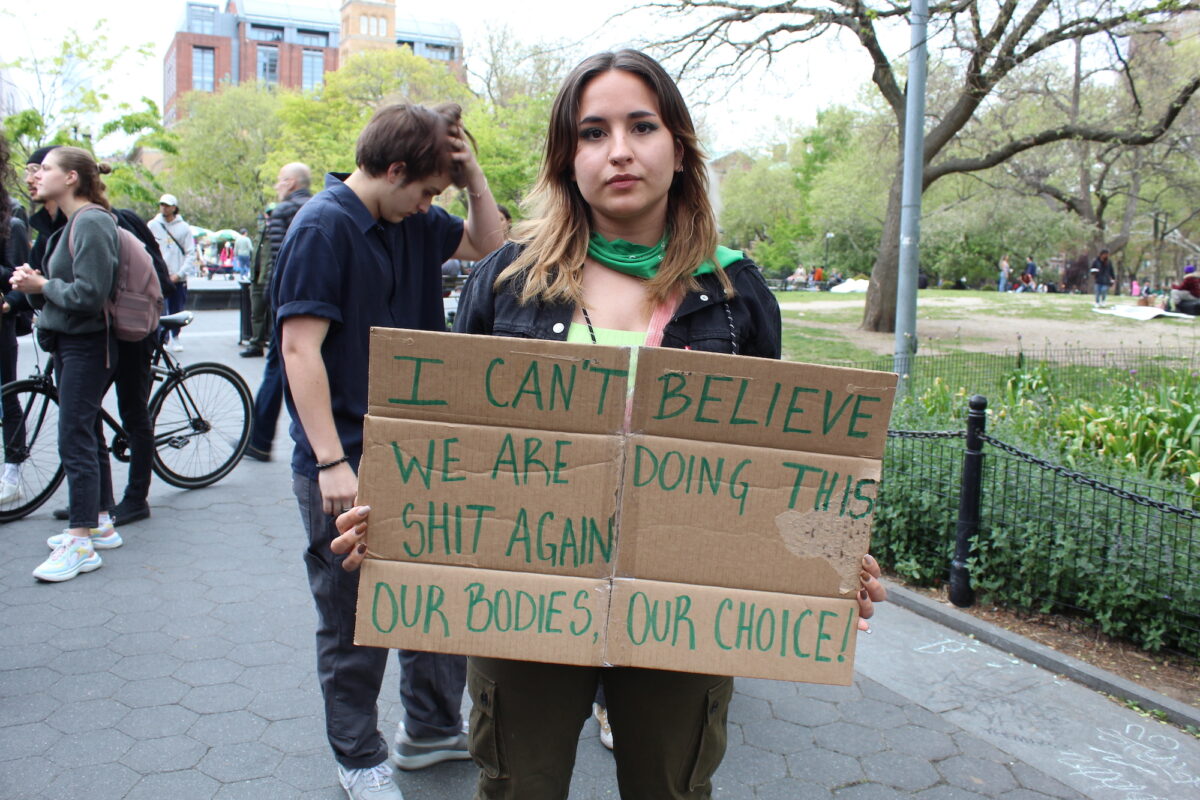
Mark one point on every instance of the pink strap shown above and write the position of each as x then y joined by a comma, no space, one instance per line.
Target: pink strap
659,319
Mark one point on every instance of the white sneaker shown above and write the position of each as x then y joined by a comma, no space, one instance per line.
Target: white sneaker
10,492
601,715
372,783
178,348
104,537
68,561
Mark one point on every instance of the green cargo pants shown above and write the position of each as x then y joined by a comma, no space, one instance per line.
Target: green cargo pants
668,728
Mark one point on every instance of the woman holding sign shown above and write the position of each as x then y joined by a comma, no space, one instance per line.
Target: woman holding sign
621,250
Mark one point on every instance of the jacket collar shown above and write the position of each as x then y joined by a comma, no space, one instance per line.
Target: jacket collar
710,292
43,224
335,184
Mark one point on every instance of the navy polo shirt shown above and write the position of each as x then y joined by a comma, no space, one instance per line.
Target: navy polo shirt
340,263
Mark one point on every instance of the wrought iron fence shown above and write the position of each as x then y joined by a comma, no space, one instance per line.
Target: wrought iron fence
1123,553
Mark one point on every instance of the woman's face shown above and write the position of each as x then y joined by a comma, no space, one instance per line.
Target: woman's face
625,158
52,182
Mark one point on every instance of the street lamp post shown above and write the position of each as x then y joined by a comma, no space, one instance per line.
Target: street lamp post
828,236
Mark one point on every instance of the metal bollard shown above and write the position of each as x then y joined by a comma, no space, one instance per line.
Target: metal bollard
961,593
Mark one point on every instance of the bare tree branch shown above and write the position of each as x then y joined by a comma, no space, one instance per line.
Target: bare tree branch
1066,132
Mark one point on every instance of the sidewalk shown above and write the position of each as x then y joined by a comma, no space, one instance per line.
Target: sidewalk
184,668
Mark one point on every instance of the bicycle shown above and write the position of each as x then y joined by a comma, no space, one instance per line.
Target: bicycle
200,414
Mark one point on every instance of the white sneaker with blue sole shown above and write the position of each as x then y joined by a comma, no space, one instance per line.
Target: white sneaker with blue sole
68,561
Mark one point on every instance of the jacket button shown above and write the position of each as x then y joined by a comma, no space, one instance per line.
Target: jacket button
559,327
704,297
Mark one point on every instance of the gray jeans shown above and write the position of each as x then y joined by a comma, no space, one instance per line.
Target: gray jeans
431,684
83,375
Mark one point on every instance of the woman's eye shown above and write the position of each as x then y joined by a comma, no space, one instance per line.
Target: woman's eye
591,134
645,127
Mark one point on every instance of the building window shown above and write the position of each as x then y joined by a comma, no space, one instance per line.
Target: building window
441,52
204,60
373,22
312,69
264,33
268,65
362,24
383,26
312,38
202,19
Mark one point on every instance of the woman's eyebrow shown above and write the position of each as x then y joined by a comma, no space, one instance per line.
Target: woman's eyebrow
630,115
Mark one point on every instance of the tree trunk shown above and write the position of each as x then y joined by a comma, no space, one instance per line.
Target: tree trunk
880,313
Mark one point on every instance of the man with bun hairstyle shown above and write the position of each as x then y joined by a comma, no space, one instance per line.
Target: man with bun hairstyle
367,251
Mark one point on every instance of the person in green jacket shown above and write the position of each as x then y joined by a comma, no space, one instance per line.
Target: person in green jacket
80,266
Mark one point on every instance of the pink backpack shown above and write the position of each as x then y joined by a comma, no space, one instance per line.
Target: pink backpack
136,302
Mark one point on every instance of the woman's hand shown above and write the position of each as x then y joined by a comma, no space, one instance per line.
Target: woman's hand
872,592
352,527
28,280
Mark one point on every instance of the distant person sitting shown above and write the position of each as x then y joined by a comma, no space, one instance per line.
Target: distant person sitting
798,278
1026,284
1185,295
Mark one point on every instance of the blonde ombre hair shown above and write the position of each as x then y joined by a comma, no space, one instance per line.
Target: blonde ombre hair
555,238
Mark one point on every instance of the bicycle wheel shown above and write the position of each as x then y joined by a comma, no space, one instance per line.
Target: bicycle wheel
30,440
201,425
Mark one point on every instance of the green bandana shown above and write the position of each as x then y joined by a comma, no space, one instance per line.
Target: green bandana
642,261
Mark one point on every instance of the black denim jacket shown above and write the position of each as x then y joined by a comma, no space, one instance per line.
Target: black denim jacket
746,323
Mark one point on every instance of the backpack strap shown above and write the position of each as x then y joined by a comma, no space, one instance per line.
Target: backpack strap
71,226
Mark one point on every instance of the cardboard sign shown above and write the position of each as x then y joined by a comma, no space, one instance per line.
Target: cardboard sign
514,516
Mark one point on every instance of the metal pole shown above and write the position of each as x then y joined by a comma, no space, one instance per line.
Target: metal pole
910,194
961,593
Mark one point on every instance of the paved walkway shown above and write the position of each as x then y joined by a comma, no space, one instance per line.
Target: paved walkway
184,668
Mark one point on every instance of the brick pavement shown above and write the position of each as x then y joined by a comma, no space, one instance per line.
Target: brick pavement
184,668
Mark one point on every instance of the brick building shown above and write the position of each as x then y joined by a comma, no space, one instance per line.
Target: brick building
275,43
285,43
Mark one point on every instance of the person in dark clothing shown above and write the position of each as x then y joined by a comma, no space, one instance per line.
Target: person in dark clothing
132,376
14,251
292,188
367,251
1102,274
622,162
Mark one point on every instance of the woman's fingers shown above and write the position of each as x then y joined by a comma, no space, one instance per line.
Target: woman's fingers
874,587
354,560
351,518
866,607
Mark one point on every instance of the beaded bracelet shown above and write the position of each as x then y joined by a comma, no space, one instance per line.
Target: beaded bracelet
333,463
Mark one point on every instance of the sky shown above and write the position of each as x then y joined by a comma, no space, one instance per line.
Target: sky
749,113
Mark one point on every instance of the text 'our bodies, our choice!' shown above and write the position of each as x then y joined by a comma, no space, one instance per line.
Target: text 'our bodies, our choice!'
787,629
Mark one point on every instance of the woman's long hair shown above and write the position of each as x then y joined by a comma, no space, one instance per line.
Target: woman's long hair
556,236
6,175
81,162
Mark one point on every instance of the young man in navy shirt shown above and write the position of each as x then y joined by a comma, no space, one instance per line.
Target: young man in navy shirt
368,251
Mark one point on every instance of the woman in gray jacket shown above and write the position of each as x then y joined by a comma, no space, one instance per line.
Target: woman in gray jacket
80,268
